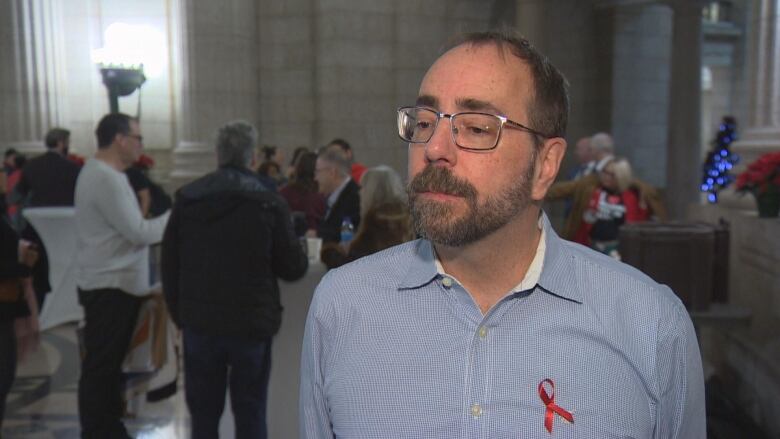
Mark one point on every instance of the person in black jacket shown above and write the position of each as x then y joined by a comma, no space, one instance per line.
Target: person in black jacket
343,194
227,241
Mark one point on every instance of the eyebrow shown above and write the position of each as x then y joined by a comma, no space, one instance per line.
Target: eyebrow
427,101
477,105
468,104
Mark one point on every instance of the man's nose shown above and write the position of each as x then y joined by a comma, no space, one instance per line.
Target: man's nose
441,147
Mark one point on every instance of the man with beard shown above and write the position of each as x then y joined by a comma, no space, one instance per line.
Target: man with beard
492,326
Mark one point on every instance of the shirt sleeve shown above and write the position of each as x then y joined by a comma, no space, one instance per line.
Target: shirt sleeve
313,405
118,205
680,413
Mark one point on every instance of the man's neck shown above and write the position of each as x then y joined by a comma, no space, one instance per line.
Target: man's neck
110,158
492,266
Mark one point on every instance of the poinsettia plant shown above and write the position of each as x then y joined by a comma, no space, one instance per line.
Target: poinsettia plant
761,176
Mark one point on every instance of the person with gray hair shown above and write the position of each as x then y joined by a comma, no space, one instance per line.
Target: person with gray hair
603,149
385,219
236,144
228,240
382,186
333,174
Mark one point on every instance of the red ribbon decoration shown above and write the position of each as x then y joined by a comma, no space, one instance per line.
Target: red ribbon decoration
552,408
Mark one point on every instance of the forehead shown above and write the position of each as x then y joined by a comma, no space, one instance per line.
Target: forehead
474,75
135,127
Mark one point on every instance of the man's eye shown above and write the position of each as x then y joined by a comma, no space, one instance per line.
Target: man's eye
476,130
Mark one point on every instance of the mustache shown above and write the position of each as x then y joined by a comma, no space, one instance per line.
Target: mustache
439,179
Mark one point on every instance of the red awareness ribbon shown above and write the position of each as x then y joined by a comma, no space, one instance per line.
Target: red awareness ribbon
552,408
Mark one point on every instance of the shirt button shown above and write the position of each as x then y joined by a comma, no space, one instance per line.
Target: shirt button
476,410
482,332
447,282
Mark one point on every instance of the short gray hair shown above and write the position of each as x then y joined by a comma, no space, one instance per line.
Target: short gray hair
602,142
236,144
336,157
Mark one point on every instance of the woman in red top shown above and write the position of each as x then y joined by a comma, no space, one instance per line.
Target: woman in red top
301,193
614,202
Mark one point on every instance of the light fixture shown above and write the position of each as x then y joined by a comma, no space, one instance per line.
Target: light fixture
129,53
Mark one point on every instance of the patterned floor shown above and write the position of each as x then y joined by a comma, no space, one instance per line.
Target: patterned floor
42,403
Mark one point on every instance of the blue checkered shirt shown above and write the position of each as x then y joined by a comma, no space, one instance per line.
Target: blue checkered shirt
395,349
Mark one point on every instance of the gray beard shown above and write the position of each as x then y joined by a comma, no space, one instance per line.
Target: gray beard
437,221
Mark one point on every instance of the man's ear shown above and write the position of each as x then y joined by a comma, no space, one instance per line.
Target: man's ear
548,163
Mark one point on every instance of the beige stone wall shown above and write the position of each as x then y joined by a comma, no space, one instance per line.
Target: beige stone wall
340,68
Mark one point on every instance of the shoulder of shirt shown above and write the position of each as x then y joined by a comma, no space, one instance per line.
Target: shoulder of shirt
367,276
606,282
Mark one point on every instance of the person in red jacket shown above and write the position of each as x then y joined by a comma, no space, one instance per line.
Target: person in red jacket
613,202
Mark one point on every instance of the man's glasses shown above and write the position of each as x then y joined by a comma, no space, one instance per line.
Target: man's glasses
140,139
472,131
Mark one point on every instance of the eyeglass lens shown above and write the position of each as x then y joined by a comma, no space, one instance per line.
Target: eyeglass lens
469,130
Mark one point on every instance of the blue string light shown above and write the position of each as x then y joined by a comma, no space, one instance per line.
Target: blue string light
720,160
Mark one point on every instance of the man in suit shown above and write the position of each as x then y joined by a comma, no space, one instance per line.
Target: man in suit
332,173
356,169
50,179
47,180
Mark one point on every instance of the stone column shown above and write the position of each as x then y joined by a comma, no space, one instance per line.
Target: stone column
218,60
682,176
760,132
31,74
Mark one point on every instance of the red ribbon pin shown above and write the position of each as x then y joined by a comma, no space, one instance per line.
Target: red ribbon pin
552,408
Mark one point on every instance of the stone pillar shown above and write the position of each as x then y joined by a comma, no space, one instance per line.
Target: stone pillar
640,88
682,176
760,131
218,58
31,74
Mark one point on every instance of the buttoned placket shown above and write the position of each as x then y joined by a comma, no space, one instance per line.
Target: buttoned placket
479,367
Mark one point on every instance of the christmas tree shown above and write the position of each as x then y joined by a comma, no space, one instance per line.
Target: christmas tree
720,160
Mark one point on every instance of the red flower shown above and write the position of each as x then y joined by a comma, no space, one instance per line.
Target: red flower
762,175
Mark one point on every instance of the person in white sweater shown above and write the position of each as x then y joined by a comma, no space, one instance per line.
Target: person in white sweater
113,240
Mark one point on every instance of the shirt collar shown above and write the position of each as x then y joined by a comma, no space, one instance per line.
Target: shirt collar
336,193
551,269
534,270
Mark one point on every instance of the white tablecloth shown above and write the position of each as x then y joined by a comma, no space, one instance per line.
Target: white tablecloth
57,229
